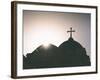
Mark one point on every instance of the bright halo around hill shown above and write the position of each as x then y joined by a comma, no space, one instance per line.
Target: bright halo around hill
46,44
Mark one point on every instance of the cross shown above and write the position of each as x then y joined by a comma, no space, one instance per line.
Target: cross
71,32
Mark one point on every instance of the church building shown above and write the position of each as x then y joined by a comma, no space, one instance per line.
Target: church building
69,54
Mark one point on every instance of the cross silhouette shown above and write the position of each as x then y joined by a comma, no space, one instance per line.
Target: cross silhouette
71,32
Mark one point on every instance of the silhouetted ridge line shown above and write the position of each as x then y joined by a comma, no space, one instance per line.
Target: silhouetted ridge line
69,54
74,54
43,47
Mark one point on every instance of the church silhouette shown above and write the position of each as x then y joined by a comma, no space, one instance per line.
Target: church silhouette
69,54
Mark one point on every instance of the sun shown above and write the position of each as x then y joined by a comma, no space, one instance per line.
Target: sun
44,36
46,44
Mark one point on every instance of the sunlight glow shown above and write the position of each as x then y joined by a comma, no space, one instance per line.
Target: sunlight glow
44,28
46,44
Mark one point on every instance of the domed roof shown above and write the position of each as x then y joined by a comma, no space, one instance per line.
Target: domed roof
69,54
46,50
72,47
43,47
71,43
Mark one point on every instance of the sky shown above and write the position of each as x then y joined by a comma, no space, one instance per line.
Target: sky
45,27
